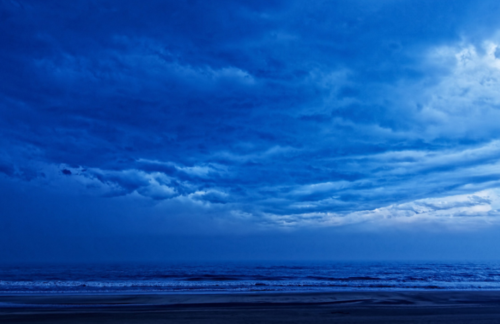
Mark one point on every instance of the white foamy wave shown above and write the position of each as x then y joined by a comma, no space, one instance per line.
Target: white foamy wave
249,277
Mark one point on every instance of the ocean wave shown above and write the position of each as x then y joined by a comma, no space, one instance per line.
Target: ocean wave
248,277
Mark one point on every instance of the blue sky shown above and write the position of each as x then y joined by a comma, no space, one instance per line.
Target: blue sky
224,122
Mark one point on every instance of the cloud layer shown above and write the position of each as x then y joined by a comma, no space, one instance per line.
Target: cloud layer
280,113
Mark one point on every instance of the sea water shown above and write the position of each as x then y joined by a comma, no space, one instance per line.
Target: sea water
247,277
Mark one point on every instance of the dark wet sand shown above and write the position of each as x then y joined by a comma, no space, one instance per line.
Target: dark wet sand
337,307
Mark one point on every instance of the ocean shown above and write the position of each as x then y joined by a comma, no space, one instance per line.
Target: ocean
247,277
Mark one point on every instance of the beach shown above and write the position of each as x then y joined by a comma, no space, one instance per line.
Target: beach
331,307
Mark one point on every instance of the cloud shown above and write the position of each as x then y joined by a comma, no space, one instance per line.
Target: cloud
285,112
462,212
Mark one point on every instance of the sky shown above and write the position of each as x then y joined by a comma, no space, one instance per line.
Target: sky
203,130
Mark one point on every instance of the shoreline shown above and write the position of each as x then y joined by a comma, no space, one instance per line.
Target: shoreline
325,307
230,293
67,298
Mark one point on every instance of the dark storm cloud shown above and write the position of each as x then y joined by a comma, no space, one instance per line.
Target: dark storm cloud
281,108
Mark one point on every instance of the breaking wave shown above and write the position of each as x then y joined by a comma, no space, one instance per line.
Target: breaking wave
247,277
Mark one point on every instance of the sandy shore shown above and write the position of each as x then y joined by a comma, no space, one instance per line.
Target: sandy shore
336,307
